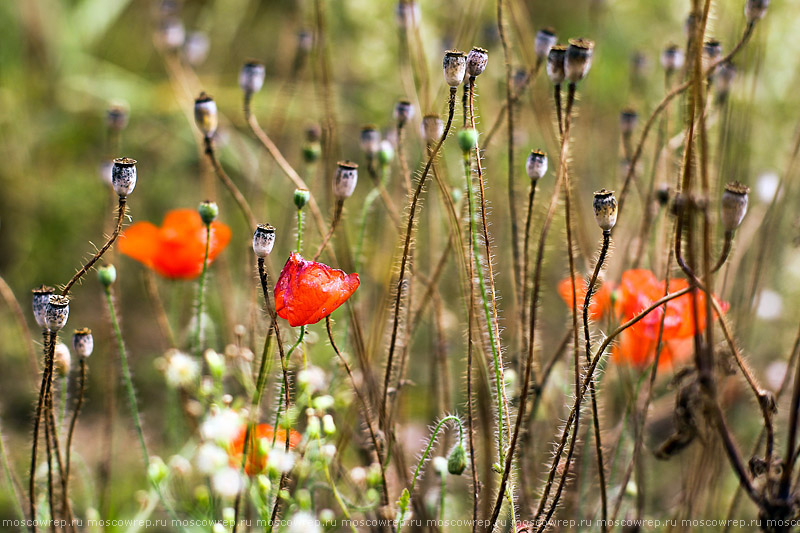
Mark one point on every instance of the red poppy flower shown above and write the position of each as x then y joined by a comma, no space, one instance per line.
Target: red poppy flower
257,459
176,249
307,291
637,344
601,299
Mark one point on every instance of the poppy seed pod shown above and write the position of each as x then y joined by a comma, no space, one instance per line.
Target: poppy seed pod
123,176
56,312
311,152
432,128
628,118
467,138
578,60
83,342
41,295
196,48
545,40
536,165
755,9
313,133
605,209
205,115
672,58
301,198
173,33
107,275
209,211
117,117
344,184
62,360
555,63
251,77
454,66
733,205
726,73
476,61
370,139
712,49
386,153
403,112
263,240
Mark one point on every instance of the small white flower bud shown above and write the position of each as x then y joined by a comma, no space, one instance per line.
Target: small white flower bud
578,60
545,40
344,184
733,205
83,342
263,240
536,165
454,66
56,312
555,63
605,209
477,58
251,77
123,176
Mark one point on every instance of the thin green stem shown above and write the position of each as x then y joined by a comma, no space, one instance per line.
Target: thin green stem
299,230
284,385
197,341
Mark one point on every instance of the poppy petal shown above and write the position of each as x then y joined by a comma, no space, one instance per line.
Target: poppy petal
140,242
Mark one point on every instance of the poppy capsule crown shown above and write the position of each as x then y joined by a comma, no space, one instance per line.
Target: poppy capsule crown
263,240
545,40
251,77
454,66
344,184
432,128
605,209
555,63
205,115
370,139
672,58
41,295
476,61
755,9
578,59
56,312
536,165
733,205
403,112
628,119
83,342
123,176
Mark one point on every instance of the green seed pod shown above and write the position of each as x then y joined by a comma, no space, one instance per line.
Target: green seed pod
386,153
208,212
311,152
467,138
301,198
107,275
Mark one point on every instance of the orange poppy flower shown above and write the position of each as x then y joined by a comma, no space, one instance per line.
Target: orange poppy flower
176,249
638,290
307,291
601,299
257,459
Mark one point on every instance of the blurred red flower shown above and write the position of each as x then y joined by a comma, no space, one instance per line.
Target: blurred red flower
638,290
307,291
256,457
176,249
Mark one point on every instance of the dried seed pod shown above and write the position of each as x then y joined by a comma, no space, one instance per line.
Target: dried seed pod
313,133
545,40
555,63
432,128
403,112
56,312
205,115
172,34
628,118
251,77
344,184
196,48
123,176
733,206
578,60
83,342
41,295
672,58
712,49
454,66
117,117
536,165
476,61
263,240
605,209
370,139
755,9
726,73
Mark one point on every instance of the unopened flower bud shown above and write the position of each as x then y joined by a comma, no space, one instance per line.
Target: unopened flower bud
301,198
403,112
386,153
555,63
328,425
370,139
476,61
56,312
116,117
545,40
432,128
672,58
123,176
605,209
209,211
457,460
467,138
205,115
344,184
536,165
263,240
41,295
455,67
578,60
62,360
107,275
755,9
313,427
733,205
628,118
83,342
196,48
157,471
215,362
251,77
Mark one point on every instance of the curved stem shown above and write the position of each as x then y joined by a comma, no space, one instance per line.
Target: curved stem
241,201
